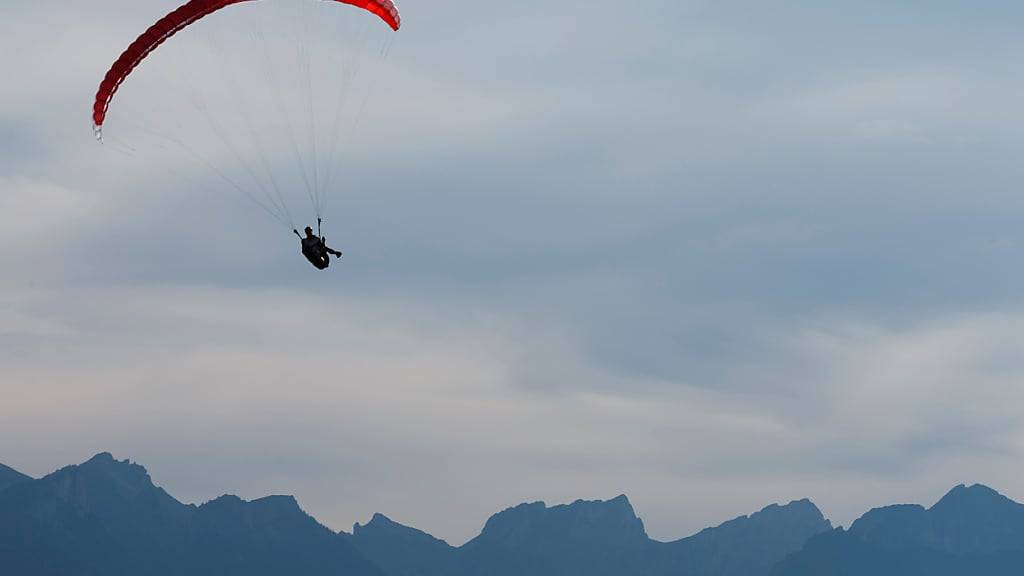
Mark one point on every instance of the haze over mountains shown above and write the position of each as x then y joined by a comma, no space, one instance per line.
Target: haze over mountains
107,517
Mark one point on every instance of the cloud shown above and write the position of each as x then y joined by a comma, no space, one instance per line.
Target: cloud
358,406
669,252
368,398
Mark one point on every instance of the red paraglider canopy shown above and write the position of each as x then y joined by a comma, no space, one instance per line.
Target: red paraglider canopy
180,19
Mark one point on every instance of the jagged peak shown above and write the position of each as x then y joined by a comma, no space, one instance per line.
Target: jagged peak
278,500
380,524
976,501
892,509
526,506
280,510
130,478
618,508
105,462
795,508
615,516
973,493
377,521
620,502
379,518
226,499
879,518
101,458
803,511
281,503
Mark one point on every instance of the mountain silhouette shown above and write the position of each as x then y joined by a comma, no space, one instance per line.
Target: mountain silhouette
400,550
593,538
971,530
105,517
965,521
10,477
747,545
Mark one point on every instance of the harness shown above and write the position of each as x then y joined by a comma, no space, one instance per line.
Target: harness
315,249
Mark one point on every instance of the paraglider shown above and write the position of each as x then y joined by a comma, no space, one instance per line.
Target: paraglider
178,20
315,249
314,246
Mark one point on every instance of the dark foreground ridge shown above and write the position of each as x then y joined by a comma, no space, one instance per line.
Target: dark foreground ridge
106,517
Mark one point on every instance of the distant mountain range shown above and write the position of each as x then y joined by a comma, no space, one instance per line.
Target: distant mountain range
594,539
972,531
106,517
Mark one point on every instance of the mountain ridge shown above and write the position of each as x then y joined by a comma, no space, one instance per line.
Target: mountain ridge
107,517
971,530
592,537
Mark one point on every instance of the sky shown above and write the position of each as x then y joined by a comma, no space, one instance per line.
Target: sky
712,255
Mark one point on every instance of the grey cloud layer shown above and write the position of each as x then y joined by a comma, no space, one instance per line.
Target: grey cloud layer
707,254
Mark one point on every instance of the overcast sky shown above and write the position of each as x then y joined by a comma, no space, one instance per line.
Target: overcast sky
709,254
